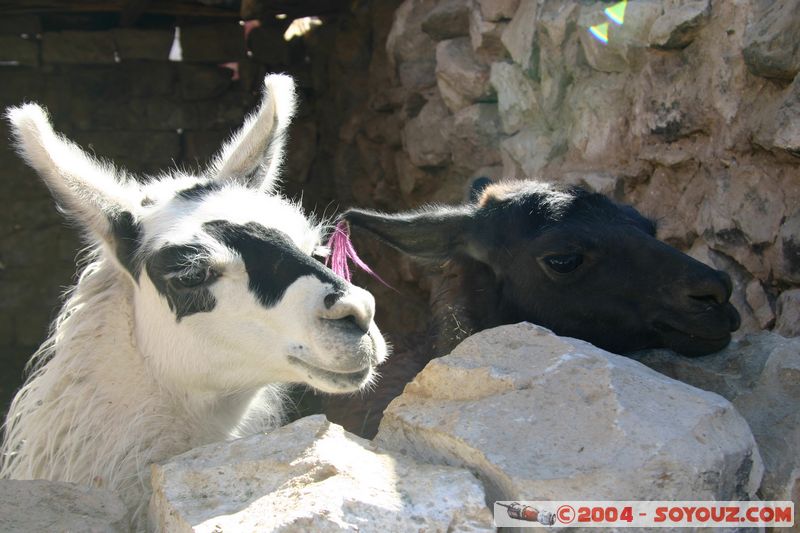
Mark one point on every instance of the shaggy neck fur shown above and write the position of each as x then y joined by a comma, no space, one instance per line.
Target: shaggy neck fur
89,372
464,299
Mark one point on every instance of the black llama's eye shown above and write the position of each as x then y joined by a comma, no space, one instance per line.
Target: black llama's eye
563,263
194,278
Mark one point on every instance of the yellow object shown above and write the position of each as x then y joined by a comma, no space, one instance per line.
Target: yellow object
617,11
600,31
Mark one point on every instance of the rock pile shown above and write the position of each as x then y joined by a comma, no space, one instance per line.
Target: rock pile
513,413
760,375
41,505
312,476
543,417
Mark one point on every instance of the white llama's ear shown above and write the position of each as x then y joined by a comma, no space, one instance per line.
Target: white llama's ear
91,192
254,154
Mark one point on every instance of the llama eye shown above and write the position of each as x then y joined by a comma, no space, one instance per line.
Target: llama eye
564,264
194,278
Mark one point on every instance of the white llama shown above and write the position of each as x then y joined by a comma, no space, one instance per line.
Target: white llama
200,299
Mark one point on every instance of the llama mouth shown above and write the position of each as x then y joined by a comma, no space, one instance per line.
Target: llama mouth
663,327
354,378
691,344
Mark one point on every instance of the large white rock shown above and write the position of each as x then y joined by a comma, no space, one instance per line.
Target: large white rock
39,505
311,475
543,417
760,374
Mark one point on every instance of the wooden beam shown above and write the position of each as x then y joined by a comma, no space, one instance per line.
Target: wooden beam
262,9
131,11
161,7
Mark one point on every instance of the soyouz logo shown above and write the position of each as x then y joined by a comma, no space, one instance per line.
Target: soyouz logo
643,514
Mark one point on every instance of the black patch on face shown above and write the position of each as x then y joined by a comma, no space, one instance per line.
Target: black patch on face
127,234
163,267
272,260
198,191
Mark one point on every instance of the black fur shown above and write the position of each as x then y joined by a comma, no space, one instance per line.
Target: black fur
127,234
272,260
629,291
477,187
164,265
199,191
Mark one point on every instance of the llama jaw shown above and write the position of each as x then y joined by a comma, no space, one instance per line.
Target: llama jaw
333,381
694,343
347,365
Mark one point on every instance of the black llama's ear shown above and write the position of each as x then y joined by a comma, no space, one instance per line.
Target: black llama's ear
477,187
647,225
92,193
435,234
254,155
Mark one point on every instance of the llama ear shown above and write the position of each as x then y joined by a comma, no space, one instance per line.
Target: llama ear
435,234
477,187
254,154
93,193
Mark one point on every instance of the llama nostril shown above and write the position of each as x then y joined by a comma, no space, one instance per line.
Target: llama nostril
354,317
331,299
707,299
354,306
710,291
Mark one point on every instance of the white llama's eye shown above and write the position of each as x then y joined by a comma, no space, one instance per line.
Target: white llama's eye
195,278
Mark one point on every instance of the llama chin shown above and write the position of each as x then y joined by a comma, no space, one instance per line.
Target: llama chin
200,302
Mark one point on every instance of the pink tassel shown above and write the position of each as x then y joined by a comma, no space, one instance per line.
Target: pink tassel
342,251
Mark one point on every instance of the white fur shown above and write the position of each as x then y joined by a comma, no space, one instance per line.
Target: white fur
120,383
245,153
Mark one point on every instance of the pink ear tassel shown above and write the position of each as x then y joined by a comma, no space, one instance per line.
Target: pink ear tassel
342,251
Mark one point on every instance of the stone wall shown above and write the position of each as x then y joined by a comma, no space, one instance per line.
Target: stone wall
690,112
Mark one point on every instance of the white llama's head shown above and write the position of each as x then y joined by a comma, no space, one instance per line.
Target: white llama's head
227,296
